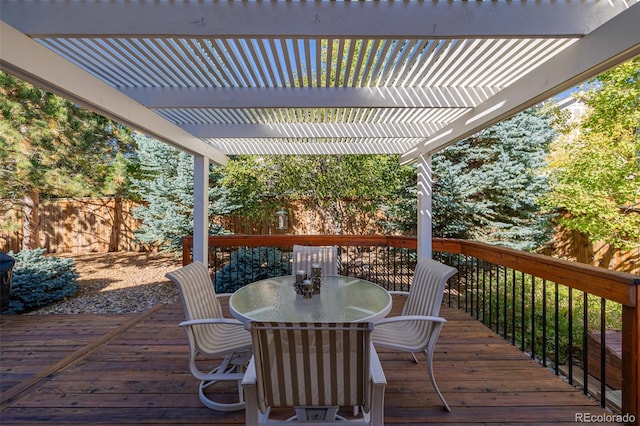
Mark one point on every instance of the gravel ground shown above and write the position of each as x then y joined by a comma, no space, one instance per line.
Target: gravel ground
119,282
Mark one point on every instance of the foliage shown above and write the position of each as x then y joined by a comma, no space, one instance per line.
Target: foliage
249,264
595,169
40,280
529,311
487,187
52,145
336,186
251,182
166,187
400,209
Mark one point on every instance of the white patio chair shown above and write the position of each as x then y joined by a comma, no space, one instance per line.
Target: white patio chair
305,256
418,327
313,369
211,336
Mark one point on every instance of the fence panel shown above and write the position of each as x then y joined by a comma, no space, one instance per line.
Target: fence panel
78,226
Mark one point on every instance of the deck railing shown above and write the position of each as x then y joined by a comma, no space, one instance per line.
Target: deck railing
539,303
238,260
556,311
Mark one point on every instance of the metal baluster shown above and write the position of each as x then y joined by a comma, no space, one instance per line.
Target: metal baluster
469,287
513,307
470,281
570,331
533,317
504,311
498,299
603,352
556,338
585,343
484,291
480,278
544,322
491,295
522,324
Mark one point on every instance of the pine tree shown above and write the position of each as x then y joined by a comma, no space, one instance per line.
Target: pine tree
50,147
487,187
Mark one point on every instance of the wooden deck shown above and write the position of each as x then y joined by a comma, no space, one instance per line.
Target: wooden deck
125,369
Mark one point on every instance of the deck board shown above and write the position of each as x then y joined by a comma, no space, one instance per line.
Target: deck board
125,369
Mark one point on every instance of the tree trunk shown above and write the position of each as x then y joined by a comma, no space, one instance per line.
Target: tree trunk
116,229
31,223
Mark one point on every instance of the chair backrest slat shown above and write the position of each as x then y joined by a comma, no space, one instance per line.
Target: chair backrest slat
305,256
301,364
199,301
196,291
427,288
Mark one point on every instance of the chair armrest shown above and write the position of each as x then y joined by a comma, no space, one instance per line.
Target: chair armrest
398,292
250,377
377,373
411,318
230,321
221,295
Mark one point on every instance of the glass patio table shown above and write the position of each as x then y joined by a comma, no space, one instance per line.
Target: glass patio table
341,299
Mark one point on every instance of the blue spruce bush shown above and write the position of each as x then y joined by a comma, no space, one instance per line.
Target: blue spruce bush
40,280
249,264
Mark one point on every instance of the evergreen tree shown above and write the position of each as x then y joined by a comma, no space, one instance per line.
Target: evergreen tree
165,186
50,147
487,187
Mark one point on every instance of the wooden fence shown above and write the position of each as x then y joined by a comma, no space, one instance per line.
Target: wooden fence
107,224
573,245
301,221
79,225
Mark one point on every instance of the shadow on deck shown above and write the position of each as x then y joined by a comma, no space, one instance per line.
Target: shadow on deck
120,369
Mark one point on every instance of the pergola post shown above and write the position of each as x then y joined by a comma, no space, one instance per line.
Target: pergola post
425,219
200,208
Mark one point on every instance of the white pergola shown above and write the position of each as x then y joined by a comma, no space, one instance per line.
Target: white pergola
218,78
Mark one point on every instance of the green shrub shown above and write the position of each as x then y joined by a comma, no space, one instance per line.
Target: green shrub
251,264
40,280
529,306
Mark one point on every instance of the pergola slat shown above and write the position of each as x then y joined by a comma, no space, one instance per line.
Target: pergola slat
383,60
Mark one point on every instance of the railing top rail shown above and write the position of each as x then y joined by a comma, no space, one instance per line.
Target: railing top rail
620,287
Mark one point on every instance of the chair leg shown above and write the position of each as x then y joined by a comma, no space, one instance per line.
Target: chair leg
232,365
218,406
252,413
433,379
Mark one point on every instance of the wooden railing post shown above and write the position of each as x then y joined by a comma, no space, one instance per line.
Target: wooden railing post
187,243
631,359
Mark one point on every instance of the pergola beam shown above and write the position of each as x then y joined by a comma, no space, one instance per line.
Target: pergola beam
406,19
277,147
30,61
313,130
310,97
615,42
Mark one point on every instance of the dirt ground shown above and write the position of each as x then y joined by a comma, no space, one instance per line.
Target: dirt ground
119,282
